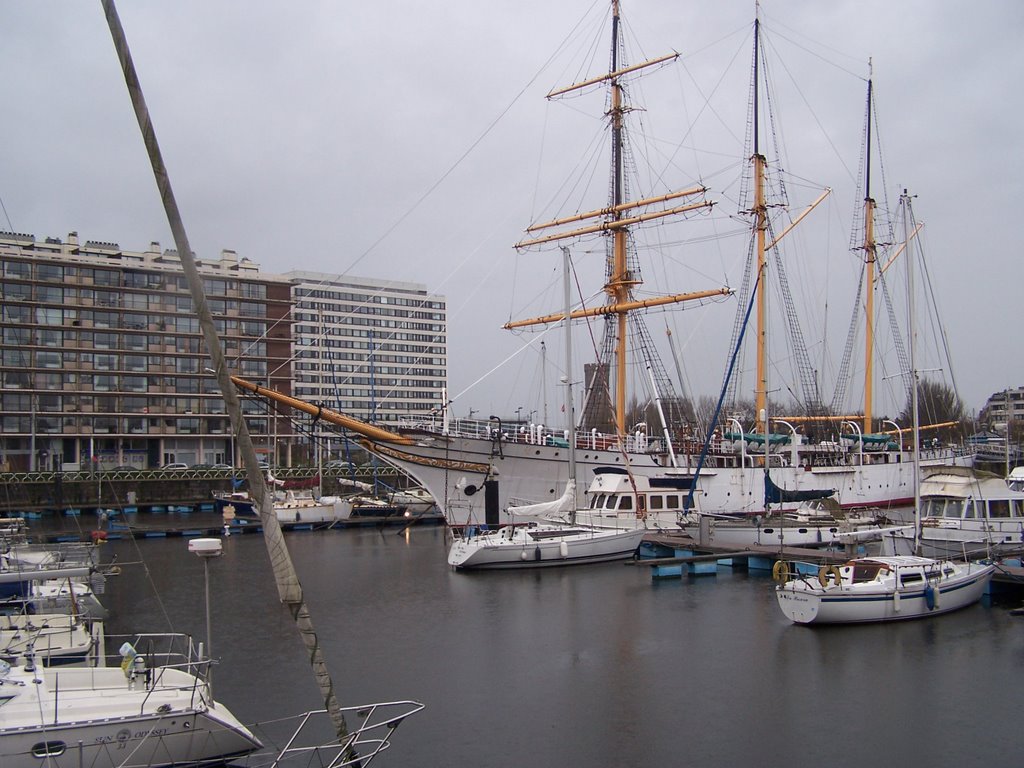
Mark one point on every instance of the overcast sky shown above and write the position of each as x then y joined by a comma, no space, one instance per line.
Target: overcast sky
413,141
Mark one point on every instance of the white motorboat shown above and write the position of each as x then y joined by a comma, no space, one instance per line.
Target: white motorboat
965,513
305,508
815,523
617,499
879,589
152,709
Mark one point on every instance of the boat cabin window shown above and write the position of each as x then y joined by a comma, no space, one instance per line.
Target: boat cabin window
625,502
657,502
999,508
866,572
672,501
911,578
932,507
969,509
1017,508
597,502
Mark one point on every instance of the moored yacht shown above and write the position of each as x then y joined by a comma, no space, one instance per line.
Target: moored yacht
153,708
879,589
965,513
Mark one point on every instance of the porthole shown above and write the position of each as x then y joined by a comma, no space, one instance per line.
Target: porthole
49,749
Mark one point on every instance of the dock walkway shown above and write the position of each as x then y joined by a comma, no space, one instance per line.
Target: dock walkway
689,558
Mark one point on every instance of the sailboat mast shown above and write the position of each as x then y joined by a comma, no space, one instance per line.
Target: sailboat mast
870,257
760,228
912,324
570,414
619,285
289,588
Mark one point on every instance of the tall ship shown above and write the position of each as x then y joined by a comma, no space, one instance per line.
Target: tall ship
475,469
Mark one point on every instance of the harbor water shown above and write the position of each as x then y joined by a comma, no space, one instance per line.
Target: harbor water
588,666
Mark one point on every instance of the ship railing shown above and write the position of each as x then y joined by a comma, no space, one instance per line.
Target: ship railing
309,741
149,658
534,434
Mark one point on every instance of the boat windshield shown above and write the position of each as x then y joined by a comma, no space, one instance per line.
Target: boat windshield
938,508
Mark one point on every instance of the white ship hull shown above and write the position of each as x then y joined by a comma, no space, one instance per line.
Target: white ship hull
454,469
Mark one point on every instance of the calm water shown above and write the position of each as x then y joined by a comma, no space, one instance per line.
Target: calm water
592,666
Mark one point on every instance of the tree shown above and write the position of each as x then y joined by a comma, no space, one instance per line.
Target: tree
937,404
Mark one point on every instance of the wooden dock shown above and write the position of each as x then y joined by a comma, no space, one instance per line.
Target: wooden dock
690,559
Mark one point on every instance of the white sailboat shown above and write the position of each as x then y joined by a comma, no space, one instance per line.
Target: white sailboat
153,709
884,588
562,539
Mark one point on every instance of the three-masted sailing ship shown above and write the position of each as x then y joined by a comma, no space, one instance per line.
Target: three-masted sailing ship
475,469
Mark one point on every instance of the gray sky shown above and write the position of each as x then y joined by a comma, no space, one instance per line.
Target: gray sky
413,141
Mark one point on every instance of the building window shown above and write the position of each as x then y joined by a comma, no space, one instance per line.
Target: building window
48,360
21,269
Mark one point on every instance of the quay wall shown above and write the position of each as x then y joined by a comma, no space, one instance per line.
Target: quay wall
57,491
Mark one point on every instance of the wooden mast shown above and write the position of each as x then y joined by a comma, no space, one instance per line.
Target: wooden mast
621,282
760,227
870,257
613,220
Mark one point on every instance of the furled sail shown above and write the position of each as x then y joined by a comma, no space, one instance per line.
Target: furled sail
560,507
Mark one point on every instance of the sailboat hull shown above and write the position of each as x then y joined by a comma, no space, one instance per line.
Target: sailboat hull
544,545
98,717
942,587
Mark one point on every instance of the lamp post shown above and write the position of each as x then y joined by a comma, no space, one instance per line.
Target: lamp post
206,549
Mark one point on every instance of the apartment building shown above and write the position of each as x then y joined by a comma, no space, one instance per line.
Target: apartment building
102,362
373,349
1004,408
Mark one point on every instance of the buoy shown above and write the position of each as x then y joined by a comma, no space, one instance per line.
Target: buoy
536,553
929,597
896,600
524,555
780,571
836,574
563,549
823,576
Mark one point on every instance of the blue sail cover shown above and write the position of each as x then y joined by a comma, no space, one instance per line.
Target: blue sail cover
775,495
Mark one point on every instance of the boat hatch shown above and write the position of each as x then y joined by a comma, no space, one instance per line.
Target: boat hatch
559,534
